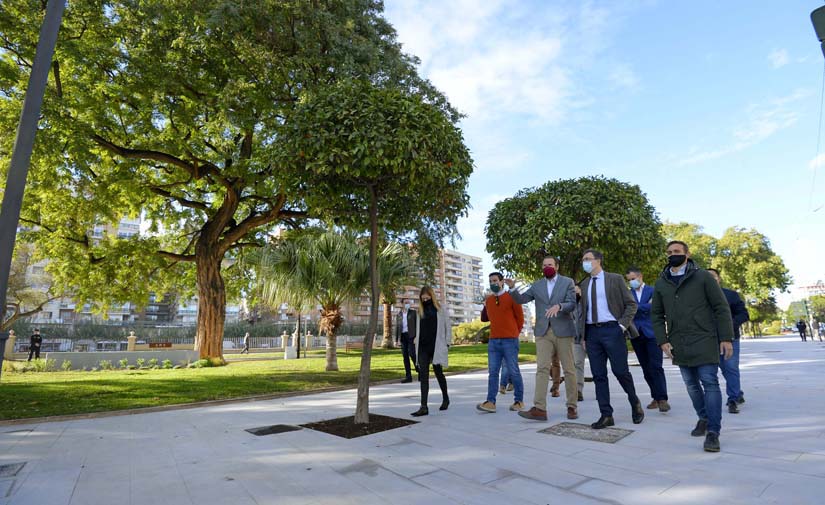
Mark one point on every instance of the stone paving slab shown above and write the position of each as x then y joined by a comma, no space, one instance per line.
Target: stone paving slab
772,453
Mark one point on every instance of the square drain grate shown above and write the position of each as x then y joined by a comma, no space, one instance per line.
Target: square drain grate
11,469
273,430
585,432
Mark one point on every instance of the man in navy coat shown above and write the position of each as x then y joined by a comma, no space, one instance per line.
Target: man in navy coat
647,352
730,366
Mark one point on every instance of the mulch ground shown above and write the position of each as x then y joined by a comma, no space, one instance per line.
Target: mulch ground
345,426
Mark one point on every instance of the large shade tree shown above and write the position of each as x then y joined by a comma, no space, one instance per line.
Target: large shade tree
563,217
384,161
169,109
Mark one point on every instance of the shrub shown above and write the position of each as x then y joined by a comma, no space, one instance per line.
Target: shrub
141,362
44,365
153,362
167,363
66,365
201,363
472,332
124,363
105,364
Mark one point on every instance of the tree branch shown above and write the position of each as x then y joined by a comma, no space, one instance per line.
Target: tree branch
183,201
176,256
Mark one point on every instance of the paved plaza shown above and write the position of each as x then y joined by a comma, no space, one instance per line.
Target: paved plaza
773,452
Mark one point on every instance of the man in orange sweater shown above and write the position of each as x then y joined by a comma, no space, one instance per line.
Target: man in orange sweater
506,320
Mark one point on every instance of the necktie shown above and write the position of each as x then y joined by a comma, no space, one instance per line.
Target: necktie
593,310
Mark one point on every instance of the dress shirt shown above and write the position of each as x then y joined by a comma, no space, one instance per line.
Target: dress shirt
404,328
601,301
551,283
639,292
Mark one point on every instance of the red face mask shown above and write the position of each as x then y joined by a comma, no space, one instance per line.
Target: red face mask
549,272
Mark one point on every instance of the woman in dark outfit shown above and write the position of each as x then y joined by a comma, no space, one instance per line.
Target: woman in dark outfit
433,338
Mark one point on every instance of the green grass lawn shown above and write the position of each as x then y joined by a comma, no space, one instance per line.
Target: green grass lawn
29,394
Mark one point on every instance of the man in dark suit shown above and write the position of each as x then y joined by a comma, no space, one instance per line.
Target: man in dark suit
607,310
730,366
555,331
35,341
405,333
647,351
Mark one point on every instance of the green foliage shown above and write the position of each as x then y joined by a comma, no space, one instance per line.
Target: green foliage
140,362
66,365
167,364
816,305
351,142
124,363
105,364
153,363
202,363
745,260
471,332
564,217
774,328
172,110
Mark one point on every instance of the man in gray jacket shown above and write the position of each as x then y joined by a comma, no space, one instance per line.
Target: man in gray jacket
555,330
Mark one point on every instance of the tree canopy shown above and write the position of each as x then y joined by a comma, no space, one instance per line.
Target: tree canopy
171,110
564,217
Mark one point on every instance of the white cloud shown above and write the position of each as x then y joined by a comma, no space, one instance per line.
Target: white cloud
497,59
817,162
779,58
761,122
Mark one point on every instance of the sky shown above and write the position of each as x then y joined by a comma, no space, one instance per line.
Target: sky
712,108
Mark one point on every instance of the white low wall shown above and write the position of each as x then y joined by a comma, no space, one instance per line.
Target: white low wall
82,360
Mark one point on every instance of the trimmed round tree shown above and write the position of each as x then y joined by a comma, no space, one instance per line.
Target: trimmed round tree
564,217
383,161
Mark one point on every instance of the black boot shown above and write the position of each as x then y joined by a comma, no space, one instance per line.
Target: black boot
445,403
423,411
701,428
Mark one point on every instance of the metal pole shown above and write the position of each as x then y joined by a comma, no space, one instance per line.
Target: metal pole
22,151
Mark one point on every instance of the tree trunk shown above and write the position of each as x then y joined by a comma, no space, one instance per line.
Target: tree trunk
331,320
386,343
362,407
211,304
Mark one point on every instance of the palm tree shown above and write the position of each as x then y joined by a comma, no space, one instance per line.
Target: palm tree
320,267
396,270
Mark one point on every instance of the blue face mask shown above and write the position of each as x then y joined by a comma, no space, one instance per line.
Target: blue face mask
635,284
587,266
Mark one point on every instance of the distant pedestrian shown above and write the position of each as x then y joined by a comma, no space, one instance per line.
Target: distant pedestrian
647,351
692,322
246,343
35,341
821,330
803,330
506,321
405,336
433,338
730,366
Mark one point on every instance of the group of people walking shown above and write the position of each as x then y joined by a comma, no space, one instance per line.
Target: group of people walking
686,315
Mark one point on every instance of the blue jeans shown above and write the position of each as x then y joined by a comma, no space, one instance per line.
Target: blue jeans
650,357
503,350
505,373
703,388
606,343
730,370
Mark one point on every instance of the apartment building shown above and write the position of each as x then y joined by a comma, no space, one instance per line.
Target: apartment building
458,286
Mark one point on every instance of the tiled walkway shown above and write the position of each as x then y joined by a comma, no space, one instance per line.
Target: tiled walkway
773,452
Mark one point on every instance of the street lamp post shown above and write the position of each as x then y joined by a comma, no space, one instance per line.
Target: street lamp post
22,151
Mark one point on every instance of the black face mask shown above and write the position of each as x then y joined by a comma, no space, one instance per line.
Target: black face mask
675,260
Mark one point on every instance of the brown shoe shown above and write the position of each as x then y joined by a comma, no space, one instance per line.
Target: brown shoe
534,414
664,406
486,407
517,406
653,405
554,393
572,413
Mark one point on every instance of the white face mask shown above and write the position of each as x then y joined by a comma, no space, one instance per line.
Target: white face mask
406,306
587,266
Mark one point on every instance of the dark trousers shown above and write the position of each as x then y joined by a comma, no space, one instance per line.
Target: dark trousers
35,351
802,334
650,357
606,343
424,360
408,351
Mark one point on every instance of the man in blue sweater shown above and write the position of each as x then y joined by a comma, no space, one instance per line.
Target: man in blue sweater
730,366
